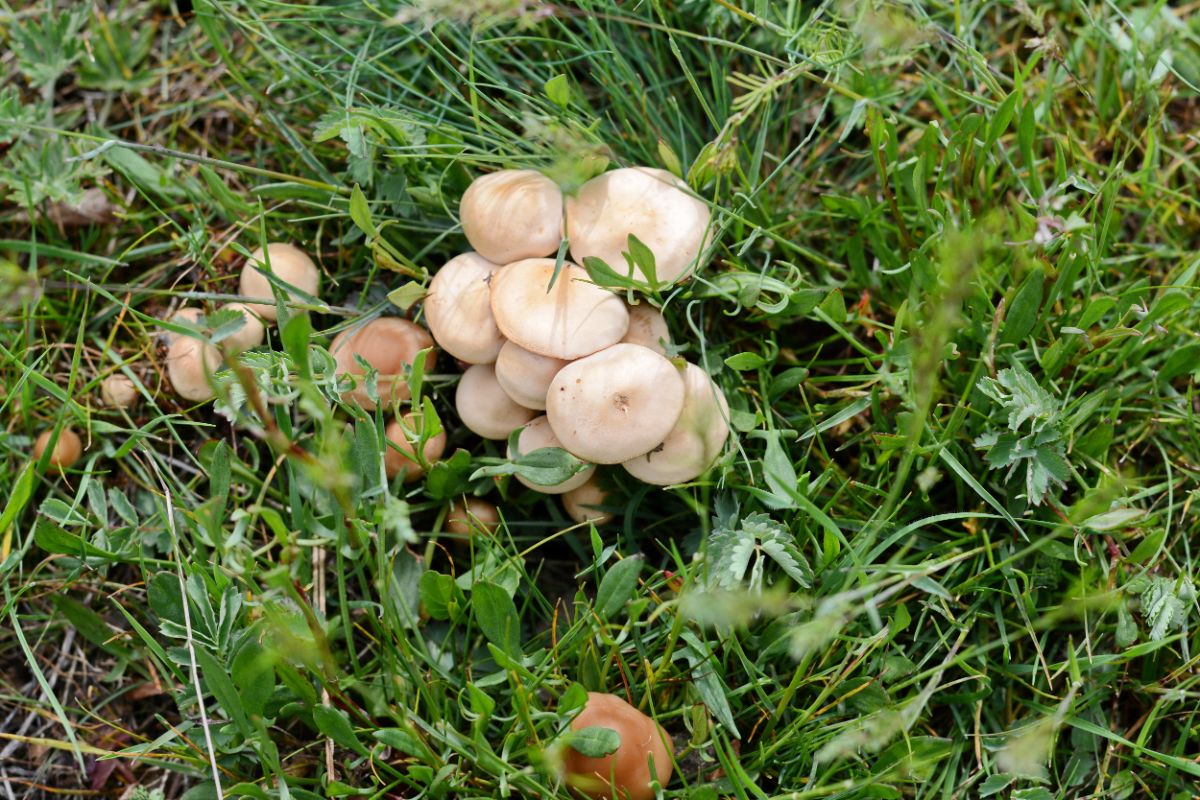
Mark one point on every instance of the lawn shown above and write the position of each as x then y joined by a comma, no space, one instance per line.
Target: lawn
951,299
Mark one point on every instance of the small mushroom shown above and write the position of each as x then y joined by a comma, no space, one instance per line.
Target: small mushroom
581,503
402,432
616,404
651,204
643,757
484,407
695,441
512,214
66,452
526,376
389,344
537,435
289,263
647,328
252,333
472,517
458,309
572,319
118,391
190,361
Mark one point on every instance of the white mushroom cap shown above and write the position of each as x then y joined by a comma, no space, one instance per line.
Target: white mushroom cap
580,503
647,328
118,391
458,309
389,344
695,441
190,361
536,435
483,406
289,263
526,376
512,214
252,334
573,319
616,404
403,459
651,204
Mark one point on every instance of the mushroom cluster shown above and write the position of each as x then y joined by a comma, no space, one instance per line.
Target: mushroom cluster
569,363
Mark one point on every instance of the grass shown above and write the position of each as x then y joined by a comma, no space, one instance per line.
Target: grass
953,308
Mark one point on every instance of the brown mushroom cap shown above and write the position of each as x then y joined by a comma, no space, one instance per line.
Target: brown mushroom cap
458,309
616,404
118,391
536,435
389,344
647,328
581,503
190,361
695,441
403,459
512,214
252,333
289,263
573,319
625,773
473,517
651,204
526,376
66,452
484,407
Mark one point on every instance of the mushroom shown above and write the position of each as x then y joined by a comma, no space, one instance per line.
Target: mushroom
627,773
471,517
581,503
67,449
647,328
252,333
289,263
404,433
537,435
651,204
512,214
574,318
190,361
695,441
118,391
484,407
615,405
458,309
526,376
389,344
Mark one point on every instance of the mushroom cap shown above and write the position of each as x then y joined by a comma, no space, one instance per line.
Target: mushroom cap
289,263
573,319
389,344
402,459
695,441
66,452
484,407
648,328
616,404
526,376
252,334
512,214
580,503
472,517
651,204
625,773
118,391
190,361
536,435
458,309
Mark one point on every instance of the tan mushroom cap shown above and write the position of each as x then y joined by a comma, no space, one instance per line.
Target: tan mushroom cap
616,404
252,333
118,391
526,376
289,263
458,309
695,441
626,773
573,319
191,361
484,407
581,503
513,214
389,344
66,452
647,328
404,460
473,517
651,204
536,435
